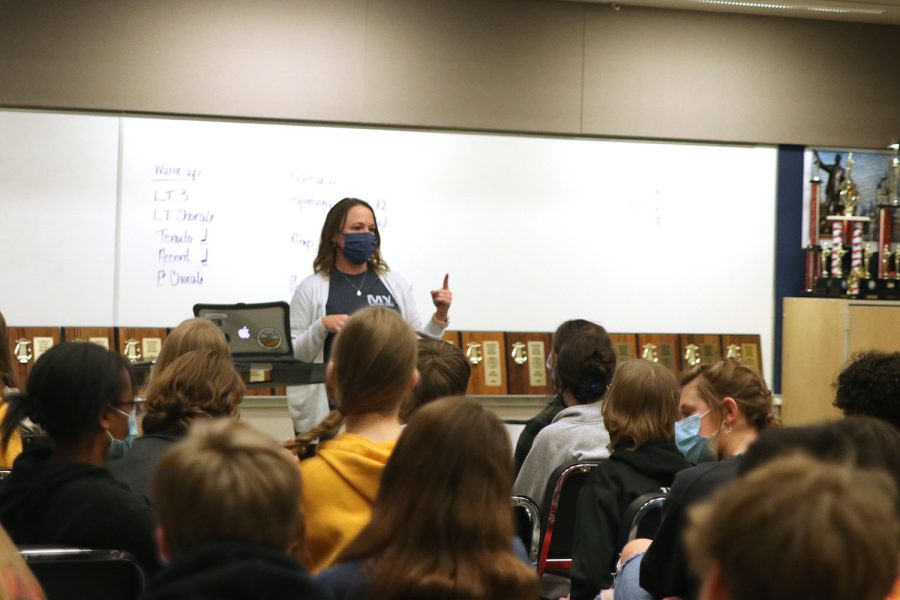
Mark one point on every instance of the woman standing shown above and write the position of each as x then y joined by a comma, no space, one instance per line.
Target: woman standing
348,274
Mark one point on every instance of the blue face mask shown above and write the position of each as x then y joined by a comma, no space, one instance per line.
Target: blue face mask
359,247
118,448
695,447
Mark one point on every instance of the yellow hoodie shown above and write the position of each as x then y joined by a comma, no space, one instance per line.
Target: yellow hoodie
339,486
15,441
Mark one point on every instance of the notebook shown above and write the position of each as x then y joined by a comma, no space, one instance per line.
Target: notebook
254,332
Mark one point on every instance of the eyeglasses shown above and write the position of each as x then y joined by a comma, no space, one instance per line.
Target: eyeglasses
137,408
551,360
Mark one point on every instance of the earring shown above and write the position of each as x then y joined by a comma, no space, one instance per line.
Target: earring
729,429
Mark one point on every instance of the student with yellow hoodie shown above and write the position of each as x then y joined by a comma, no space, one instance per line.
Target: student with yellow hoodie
371,372
8,384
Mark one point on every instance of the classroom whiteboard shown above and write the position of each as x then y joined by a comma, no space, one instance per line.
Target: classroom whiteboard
639,236
58,177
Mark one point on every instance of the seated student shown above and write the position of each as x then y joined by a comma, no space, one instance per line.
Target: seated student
640,411
371,372
197,333
201,383
534,426
870,386
583,371
798,529
725,406
453,537
9,384
863,442
228,499
443,371
81,395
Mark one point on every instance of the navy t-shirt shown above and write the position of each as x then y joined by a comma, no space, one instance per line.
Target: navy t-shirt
349,293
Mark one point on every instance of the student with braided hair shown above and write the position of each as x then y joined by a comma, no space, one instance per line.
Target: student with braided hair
372,371
583,371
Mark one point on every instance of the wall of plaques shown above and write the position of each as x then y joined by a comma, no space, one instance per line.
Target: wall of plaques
503,363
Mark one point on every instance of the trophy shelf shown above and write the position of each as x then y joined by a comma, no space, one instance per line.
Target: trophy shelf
820,336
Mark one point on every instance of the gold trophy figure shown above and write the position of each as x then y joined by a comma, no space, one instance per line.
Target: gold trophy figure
864,272
849,192
826,255
897,261
733,352
837,267
886,261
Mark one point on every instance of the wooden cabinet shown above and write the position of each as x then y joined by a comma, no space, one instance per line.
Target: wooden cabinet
819,338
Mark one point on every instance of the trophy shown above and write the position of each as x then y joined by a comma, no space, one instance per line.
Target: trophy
473,353
22,351
812,248
518,354
649,352
733,352
692,356
132,352
888,202
867,257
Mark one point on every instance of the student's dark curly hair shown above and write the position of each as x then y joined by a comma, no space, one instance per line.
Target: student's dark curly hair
870,386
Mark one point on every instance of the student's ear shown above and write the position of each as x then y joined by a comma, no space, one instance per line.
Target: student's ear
414,381
730,410
105,419
162,547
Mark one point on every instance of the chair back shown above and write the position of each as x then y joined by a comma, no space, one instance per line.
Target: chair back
641,518
78,573
558,516
528,525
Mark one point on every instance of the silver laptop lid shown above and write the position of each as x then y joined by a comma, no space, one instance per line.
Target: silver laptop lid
252,331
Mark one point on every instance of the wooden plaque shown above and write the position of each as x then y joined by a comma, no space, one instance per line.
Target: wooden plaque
526,363
664,347
748,347
485,350
452,337
27,344
709,345
625,346
102,336
141,344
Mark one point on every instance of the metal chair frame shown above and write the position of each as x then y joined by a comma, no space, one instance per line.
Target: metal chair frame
534,517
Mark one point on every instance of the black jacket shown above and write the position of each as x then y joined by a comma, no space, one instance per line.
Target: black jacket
664,568
605,496
234,571
50,501
135,468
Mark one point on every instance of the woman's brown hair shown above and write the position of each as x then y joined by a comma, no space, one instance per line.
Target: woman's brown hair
197,384
452,538
641,406
585,364
334,224
735,379
191,334
373,363
8,376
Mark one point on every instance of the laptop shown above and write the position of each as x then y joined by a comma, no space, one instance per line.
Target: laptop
254,332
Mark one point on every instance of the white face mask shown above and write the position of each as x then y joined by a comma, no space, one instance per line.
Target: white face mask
119,448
